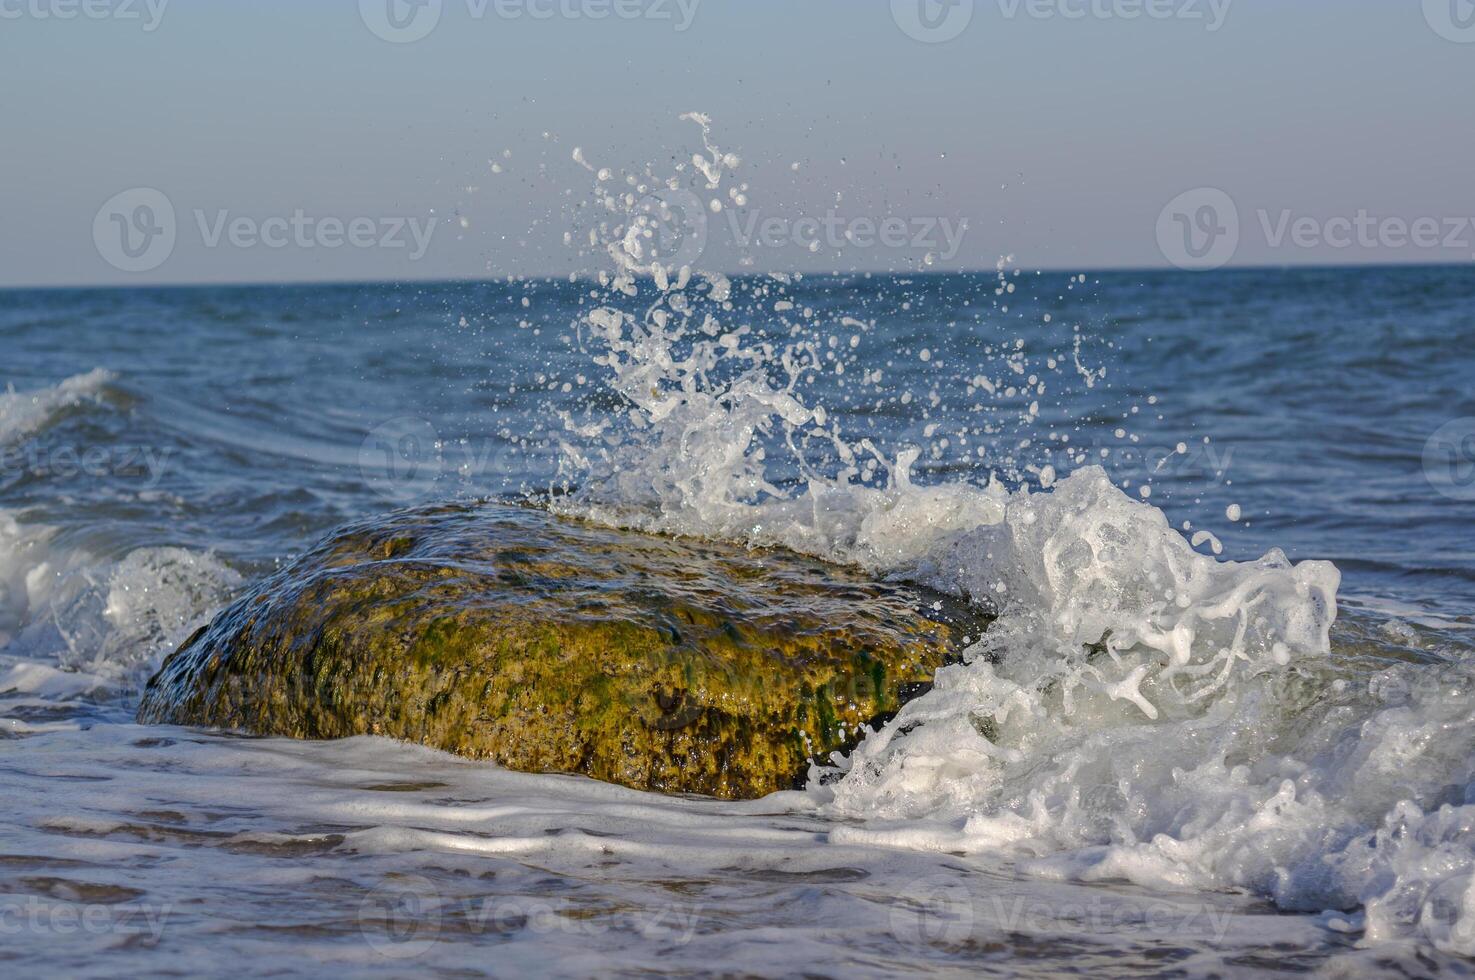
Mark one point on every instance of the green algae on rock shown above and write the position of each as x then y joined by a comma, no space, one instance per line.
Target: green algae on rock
548,645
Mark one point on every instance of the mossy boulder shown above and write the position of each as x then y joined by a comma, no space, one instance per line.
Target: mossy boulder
548,645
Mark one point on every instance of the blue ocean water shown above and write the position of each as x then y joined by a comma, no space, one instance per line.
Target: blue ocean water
160,447
1318,391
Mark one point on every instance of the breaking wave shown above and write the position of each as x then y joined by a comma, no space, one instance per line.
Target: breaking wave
1140,710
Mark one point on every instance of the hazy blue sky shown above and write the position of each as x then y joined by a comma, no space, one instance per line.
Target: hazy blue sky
1059,138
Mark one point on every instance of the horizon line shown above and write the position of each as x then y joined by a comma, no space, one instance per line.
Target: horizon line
747,274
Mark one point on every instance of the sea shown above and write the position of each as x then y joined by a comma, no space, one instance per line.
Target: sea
1224,724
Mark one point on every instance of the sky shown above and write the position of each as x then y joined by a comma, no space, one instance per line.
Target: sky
183,141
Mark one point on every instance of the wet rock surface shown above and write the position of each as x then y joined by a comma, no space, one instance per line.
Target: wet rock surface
548,645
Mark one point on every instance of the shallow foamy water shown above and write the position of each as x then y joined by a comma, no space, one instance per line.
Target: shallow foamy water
154,850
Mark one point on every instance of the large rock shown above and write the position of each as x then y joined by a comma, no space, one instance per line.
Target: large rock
549,645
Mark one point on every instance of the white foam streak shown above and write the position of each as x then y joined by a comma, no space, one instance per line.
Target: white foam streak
23,413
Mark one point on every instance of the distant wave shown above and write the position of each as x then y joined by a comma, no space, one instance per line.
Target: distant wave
26,413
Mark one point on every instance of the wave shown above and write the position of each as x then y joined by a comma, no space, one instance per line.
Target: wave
72,621
1140,710
24,413
75,623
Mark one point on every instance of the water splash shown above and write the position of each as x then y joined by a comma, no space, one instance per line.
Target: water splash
1139,711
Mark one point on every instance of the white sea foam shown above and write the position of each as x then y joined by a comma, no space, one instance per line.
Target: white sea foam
23,413
383,859
106,621
1139,711
101,618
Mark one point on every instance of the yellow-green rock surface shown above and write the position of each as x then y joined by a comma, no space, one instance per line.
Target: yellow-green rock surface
548,645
